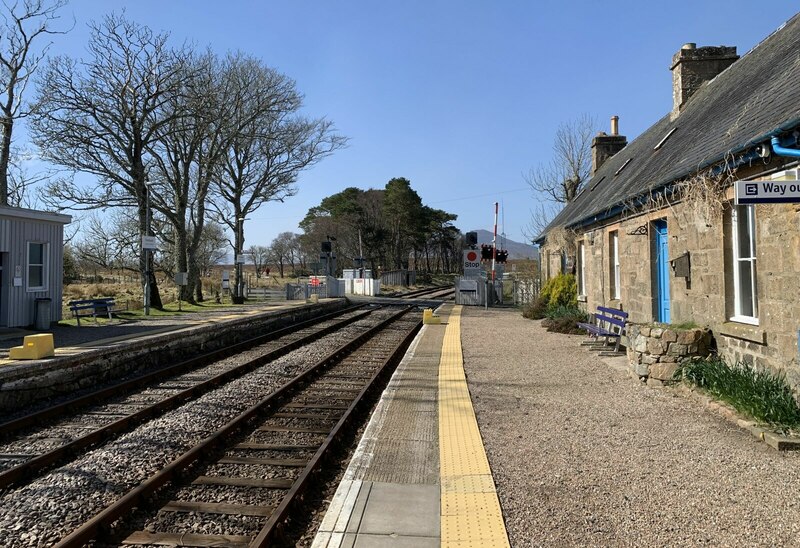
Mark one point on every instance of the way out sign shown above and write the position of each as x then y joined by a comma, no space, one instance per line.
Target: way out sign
472,264
767,192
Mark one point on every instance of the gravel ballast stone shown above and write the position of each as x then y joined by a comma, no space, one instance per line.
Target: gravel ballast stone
42,512
583,455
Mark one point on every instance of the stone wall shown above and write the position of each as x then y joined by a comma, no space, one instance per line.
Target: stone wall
656,352
29,383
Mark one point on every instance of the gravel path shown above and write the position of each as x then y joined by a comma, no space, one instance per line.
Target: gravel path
583,455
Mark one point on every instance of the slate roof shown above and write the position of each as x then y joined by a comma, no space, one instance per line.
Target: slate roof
756,97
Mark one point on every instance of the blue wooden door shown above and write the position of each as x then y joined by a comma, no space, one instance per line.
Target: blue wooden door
662,271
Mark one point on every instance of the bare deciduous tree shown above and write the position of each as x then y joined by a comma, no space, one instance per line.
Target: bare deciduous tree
23,23
21,182
565,175
184,157
270,146
110,242
282,250
101,115
561,179
260,255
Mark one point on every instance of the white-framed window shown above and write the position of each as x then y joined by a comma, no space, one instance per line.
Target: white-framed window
613,260
37,266
745,288
581,268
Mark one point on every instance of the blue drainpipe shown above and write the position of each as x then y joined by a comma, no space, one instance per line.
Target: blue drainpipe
781,151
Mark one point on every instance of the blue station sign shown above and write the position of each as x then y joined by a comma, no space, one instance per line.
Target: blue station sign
766,192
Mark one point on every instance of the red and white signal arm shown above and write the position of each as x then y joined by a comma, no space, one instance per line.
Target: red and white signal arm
472,263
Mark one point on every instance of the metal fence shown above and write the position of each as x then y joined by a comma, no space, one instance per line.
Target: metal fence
399,277
526,291
472,292
264,293
330,287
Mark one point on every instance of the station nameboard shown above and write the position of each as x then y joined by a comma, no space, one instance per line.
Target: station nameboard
766,192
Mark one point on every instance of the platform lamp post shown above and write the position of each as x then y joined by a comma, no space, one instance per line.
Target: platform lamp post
146,248
239,280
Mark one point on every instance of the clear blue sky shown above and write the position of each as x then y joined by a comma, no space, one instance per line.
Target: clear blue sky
460,96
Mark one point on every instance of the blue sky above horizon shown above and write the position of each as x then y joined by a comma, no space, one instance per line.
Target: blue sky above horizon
460,97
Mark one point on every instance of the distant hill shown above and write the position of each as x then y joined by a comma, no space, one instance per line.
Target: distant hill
516,250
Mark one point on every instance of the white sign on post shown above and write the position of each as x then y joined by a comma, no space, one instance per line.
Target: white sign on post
472,264
226,279
767,192
149,242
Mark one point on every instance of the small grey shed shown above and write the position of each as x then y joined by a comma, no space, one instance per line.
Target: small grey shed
31,264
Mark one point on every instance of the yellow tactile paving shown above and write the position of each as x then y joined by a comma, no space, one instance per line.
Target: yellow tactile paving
470,511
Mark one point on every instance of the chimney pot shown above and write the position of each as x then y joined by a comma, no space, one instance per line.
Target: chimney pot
605,146
692,67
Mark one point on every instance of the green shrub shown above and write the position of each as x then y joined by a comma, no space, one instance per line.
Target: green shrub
561,290
535,310
763,395
564,319
559,293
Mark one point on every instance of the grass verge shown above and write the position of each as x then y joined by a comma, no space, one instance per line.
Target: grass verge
760,394
169,310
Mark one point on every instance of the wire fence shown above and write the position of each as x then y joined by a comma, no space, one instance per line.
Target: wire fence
526,291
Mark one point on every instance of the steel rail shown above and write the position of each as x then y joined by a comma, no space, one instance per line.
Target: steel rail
29,468
424,291
35,418
272,528
93,528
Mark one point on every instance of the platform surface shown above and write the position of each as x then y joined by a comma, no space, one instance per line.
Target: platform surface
420,477
71,341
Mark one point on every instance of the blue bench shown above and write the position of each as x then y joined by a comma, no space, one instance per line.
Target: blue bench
91,307
608,323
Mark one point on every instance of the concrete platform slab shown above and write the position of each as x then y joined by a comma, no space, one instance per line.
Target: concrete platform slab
392,509
375,541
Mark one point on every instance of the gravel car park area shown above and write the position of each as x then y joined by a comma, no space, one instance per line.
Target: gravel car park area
584,455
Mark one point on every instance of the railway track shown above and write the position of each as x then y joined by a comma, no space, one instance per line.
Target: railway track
36,442
239,485
432,292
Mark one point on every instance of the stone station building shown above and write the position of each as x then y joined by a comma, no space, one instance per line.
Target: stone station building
656,231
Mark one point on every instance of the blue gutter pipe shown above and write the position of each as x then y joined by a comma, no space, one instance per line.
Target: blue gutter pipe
782,151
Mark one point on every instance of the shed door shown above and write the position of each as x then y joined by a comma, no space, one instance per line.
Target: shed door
662,271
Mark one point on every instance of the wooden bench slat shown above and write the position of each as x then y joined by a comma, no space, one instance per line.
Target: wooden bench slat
100,305
613,311
611,320
608,323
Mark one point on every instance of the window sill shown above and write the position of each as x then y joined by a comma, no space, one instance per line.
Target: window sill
743,331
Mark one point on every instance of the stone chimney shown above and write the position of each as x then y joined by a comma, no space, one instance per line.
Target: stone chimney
693,66
605,146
